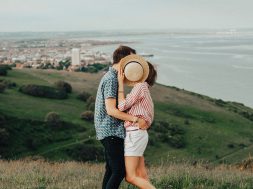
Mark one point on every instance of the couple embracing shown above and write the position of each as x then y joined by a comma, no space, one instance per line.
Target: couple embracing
121,122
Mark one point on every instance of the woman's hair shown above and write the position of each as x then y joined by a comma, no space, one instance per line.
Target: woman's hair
152,75
121,52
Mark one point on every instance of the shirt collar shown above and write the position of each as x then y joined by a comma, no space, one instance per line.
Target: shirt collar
113,70
146,83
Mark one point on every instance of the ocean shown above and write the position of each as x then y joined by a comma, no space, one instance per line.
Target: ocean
218,64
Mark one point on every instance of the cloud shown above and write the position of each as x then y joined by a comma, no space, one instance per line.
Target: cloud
38,15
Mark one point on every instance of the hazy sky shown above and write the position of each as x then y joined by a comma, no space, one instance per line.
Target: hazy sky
64,15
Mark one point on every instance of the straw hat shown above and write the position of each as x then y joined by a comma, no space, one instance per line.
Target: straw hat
135,68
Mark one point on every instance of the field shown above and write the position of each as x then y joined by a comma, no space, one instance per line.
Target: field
59,175
195,142
188,126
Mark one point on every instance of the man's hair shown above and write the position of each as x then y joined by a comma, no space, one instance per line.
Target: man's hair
152,75
121,52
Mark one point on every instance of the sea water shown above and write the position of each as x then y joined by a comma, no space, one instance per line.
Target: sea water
217,64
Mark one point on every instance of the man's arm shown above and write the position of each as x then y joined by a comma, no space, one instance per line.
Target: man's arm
110,104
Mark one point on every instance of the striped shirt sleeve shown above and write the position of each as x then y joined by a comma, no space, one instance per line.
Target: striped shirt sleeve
134,96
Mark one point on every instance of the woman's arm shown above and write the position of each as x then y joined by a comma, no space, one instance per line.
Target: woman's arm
111,109
135,95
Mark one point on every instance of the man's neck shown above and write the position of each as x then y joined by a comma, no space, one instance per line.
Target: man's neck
116,66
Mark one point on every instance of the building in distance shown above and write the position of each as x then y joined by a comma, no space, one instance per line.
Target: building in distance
75,56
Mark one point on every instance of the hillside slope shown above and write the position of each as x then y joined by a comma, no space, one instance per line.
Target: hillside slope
188,126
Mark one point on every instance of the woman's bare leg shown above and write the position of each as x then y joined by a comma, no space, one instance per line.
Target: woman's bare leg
132,163
141,169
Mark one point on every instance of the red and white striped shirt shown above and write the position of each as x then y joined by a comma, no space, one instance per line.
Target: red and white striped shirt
138,103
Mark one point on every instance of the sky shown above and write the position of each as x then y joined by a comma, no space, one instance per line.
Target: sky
80,15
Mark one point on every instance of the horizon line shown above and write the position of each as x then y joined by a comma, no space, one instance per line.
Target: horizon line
122,30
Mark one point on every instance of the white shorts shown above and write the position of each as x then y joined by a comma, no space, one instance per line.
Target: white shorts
136,142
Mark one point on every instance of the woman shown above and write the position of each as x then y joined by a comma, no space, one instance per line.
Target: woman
138,103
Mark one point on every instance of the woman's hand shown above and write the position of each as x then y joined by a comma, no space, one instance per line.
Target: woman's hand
121,76
142,124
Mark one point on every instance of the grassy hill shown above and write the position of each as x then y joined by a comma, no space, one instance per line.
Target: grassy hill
188,126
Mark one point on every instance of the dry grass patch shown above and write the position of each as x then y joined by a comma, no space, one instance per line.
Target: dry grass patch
75,175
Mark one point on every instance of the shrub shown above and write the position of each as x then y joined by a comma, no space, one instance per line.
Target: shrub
8,83
177,141
62,85
186,122
90,100
86,152
247,115
94,68
43,91
220,102
91,106
171,134
53,119
4,136
84,96
231,145
32,143
161,126
3,72
2,87
5,67
2,119
87,115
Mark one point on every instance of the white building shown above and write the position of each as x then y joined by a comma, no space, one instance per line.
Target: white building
75,56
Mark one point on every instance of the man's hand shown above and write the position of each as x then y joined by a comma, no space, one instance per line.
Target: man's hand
142,124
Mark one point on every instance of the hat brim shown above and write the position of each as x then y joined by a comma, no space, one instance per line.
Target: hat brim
135,58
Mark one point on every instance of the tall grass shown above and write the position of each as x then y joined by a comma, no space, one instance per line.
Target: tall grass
74,175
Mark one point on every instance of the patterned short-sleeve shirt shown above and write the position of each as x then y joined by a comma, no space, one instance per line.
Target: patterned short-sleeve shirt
106,125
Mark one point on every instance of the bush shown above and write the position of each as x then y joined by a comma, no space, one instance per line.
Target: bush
87,115
2,119
53,119
177,141
3,72
4,136
90,100
86,152
43,91
94,68
2,87
8,83
247,115
186,122
32,143
91,106
171,134
62,85
5,66
220,102
84,96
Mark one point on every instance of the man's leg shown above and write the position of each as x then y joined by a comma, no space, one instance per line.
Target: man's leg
108,171
115,152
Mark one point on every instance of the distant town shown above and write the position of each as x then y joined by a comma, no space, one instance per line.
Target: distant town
61,54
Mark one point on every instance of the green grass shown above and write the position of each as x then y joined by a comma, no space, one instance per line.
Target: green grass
209,128
208,133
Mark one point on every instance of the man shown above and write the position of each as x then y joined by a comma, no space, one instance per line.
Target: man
109,122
